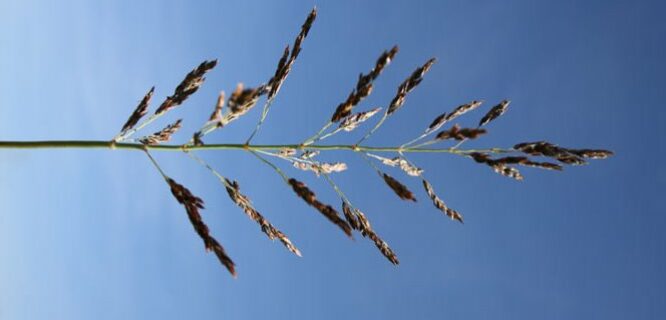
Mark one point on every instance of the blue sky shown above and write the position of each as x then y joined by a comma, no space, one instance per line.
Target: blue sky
95,233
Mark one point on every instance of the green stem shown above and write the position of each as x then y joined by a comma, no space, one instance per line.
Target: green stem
98,144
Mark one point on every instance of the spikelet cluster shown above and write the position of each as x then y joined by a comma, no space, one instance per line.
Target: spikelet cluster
439,204
400,189
140,111
192,205
233,189
310,198
363,86
163,135
187,87
408,85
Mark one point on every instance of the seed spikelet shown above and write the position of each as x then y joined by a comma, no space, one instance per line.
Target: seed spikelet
140,111
408,85
400,189
163,135
495,112
242,201
187,87
192,205
310,198
439,204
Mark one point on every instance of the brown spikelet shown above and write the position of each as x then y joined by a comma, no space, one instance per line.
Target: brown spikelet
547,149
242,100
275,83
591,153
499,166
305,28
320,167
570,159
344,109
139,112
383,61
524,161
363,86
495,112
287,60
351,122
242,201
439,204
192,205
217,113
511,160
364,224
383,247
187,87
436,123
460,134
542,165
358,221
399,188
163,135
401,163
350,216
462,109
480,157
310,198
507,171
408,85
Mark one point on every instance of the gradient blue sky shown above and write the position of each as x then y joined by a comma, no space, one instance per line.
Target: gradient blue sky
96,235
